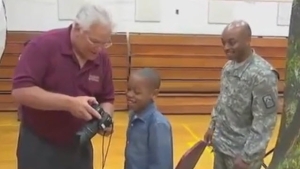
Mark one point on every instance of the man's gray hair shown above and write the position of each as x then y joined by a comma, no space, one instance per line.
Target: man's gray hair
92,12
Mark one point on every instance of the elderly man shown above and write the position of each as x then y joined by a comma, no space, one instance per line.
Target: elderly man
59,75
245,114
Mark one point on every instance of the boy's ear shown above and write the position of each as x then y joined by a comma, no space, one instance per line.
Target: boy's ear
155,93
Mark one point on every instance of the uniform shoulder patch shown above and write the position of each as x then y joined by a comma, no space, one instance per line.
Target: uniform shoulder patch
268,101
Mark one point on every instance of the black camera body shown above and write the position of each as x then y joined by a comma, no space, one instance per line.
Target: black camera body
93,126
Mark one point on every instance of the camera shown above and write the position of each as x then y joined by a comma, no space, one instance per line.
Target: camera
93,126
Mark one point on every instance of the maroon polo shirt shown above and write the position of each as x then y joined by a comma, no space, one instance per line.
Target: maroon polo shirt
48,62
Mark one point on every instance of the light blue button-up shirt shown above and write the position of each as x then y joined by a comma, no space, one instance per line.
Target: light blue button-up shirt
149,141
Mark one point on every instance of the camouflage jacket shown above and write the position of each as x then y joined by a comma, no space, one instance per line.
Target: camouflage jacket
245,113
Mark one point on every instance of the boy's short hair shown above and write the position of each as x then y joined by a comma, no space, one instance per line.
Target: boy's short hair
152,75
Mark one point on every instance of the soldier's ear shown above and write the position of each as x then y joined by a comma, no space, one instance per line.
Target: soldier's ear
276,73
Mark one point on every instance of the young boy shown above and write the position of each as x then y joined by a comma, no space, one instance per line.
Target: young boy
149,134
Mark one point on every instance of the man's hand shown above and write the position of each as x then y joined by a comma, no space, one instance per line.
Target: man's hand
240,164
106,132
208,136
80,107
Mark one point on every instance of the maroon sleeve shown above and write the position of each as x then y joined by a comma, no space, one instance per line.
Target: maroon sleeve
108,91
31,66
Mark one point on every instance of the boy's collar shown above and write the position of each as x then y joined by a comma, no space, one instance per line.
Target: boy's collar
145,114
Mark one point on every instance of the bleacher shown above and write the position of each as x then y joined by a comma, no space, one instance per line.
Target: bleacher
14,45
118,53
190,67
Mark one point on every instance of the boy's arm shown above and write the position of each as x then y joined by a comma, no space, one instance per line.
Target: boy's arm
160,146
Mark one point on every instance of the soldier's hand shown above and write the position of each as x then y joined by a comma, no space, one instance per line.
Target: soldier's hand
208,136
240,164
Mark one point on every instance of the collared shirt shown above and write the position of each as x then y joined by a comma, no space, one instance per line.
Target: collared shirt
149,141
245,114
48,62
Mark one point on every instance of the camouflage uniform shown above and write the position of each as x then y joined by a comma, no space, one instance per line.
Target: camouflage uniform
245,114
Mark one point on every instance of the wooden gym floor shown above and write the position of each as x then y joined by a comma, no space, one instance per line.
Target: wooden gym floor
186,131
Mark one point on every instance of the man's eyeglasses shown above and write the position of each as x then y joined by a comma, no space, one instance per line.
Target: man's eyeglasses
100,44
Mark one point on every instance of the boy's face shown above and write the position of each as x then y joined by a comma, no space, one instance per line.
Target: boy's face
140,92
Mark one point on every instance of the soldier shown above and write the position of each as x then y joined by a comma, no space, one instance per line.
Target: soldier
245,113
